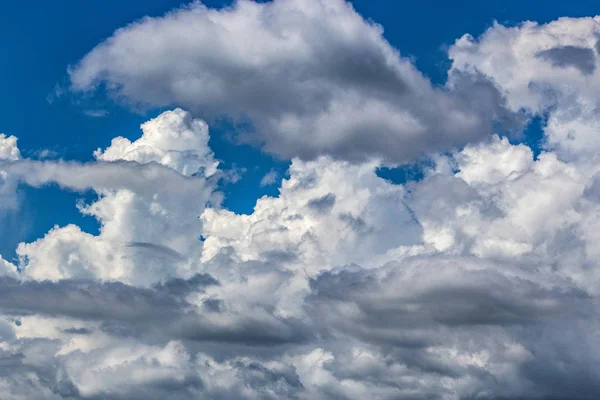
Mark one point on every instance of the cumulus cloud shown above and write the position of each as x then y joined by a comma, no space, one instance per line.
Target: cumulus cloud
548,70
478,281
328,212
9,152
313,77
8,148
173,139
141,185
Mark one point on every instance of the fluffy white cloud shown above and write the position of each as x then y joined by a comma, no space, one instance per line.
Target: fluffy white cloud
8,152
312,76
8,148
549,70
173,139
145,235
8,269
327,213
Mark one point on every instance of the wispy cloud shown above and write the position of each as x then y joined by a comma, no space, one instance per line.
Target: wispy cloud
269,179
96,113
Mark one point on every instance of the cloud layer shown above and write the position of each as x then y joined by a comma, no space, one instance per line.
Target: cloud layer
479,281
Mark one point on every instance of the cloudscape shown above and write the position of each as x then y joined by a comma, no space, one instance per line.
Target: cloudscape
277,200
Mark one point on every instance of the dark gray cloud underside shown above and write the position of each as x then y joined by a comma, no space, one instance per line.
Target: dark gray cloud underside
582,58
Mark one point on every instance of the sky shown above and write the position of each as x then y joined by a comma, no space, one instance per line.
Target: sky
299,199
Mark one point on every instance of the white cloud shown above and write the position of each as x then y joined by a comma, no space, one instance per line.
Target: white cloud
8,152
313,77
8,148
173,139
328,213
7,268
146,232
549,70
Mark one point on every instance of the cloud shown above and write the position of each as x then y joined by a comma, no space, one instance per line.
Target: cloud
157,249
173,139
129,209
312,77
43,154
8,148
140,185
500,256
9,152
96,113
324,203
160,312
7,269
326,214
547,70
452,318
479,280
471,294
581,58
269,179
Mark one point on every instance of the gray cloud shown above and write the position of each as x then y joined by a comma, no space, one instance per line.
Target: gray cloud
87,300
321,80
355,223
77,331
398,312
158,313
282,382
157,249
470,298
581,58
142,178
322,204
405,309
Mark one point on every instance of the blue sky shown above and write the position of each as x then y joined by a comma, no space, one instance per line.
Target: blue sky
39,42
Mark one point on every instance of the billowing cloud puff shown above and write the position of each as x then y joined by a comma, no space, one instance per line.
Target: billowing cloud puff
8,152
145,235
8,148
173,139
548,70
478,281
313,77
328,212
